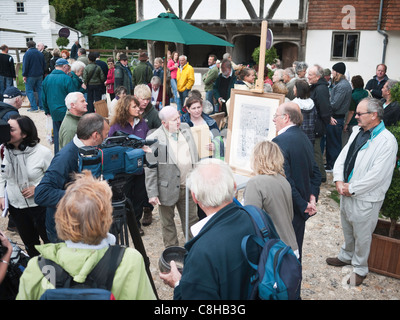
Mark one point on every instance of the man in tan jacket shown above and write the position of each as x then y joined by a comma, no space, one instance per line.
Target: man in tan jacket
166,183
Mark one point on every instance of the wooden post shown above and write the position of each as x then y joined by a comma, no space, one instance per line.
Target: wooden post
165,75
261,63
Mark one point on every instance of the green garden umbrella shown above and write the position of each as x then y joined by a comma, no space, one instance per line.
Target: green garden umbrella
166,27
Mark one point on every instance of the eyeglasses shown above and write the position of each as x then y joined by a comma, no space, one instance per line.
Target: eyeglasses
361,113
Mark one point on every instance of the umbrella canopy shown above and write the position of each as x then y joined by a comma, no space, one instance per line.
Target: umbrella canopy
166,27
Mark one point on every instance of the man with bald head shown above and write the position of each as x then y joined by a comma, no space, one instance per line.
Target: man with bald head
166,183
300,168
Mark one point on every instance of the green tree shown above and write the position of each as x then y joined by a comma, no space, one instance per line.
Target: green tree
96,21
73,12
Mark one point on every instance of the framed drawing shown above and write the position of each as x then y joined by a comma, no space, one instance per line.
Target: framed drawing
251,117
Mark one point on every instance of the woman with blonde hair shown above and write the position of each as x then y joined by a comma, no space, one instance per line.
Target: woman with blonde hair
269,190
127,119
83,218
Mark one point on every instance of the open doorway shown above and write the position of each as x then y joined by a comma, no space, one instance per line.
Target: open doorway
288,53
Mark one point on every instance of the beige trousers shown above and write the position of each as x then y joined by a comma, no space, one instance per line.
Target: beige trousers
167,214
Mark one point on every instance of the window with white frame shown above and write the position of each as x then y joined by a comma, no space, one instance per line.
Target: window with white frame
345,45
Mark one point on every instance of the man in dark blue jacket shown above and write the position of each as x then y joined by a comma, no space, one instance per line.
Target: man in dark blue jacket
215,267
91,131
33,67
377,82
56,87
300,168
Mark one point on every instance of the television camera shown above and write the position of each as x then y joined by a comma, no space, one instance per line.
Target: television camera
118,155
4,132
114,160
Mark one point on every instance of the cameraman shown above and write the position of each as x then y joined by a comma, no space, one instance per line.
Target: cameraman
91,131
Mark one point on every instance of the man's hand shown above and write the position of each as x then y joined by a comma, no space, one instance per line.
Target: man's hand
312,206
154,201
311,209
173,276
343,188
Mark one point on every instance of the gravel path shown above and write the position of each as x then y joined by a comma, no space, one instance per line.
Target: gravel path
323,238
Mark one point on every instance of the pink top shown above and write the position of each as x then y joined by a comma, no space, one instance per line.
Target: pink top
172,68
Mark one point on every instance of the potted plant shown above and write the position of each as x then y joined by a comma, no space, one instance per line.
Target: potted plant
384,256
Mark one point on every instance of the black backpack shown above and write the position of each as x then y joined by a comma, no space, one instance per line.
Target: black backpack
97,285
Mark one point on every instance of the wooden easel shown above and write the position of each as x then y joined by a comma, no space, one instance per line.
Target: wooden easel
261,61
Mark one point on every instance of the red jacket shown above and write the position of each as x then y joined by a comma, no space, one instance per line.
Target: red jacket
110,80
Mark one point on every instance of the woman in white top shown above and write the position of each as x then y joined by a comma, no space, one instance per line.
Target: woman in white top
24,164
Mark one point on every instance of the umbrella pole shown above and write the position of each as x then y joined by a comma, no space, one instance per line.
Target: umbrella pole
165,74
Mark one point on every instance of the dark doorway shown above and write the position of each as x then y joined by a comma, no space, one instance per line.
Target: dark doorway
288,53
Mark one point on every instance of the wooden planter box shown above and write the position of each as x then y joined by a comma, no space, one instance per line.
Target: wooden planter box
384,257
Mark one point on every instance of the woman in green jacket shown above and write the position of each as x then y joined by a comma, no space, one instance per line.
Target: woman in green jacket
84,228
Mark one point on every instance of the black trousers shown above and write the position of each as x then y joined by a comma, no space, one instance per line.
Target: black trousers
135,190
30,223
94,93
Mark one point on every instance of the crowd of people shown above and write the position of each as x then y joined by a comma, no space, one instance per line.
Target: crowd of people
324,113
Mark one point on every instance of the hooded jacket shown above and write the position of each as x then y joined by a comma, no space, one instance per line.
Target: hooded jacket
130,281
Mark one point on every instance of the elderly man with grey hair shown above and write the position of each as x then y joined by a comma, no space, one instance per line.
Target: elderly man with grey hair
215,267
184,81
362,174
301,70
76,108
166,183
289,78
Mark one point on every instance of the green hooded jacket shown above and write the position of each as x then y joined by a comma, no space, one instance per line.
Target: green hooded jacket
130,281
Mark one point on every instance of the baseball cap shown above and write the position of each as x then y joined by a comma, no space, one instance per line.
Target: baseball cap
12,92
61,62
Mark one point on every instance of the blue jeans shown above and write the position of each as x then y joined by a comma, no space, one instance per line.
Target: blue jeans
34,84
210,96
5,82
174,89
56,130
182,97
334,141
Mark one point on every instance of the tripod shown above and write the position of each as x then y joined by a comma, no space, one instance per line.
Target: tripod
124,219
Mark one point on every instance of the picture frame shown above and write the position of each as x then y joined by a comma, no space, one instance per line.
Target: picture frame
250,120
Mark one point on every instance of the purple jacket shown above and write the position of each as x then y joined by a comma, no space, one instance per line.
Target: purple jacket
139,130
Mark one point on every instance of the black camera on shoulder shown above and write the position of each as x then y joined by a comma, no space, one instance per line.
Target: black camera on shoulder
4,131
